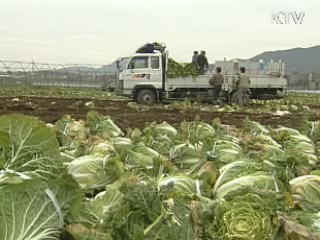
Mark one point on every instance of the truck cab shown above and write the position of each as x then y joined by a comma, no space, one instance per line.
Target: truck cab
143,71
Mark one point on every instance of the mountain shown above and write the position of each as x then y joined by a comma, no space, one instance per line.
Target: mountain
76,69
302,60
110,69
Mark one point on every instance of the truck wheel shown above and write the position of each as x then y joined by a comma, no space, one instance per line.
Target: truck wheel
235,98
146,97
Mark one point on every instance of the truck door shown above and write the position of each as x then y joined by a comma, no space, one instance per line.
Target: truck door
138,70
155,72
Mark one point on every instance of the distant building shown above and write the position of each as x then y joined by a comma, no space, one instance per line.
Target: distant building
253,68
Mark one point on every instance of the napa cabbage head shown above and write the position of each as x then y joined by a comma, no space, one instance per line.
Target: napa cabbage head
27,144
224,152
255,182
247,217
32,209
102,126
233,171
306,192
95,171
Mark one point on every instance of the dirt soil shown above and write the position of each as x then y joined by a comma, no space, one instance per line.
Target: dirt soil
50,109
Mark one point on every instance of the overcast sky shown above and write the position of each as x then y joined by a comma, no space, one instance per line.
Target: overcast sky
100,31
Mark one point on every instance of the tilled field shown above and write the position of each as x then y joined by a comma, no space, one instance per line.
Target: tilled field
49,109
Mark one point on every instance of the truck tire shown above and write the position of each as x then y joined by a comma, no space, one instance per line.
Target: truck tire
235,98
146,97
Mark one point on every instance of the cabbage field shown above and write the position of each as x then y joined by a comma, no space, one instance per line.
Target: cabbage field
100,168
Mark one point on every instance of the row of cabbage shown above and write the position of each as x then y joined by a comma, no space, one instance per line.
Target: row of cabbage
87,179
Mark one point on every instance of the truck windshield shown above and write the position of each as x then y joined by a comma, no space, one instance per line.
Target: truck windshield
138,62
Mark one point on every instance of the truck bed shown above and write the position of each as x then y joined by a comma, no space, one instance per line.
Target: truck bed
202,81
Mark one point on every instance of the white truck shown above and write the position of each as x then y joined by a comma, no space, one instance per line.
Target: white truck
144,78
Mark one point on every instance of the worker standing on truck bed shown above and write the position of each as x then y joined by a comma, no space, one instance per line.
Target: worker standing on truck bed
216,81
203,62
195,59
243,87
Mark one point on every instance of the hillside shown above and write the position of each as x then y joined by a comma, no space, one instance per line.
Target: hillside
297,59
